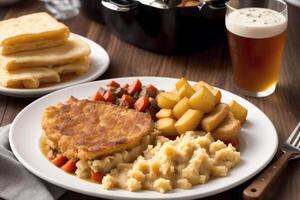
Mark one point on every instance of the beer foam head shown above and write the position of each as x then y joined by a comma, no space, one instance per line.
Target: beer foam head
256,22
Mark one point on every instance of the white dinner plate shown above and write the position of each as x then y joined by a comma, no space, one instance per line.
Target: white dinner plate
258,145
99,64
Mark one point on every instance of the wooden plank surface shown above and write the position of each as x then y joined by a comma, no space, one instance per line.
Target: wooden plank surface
212,65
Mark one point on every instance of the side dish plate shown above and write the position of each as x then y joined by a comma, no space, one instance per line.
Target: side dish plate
99,64
258,145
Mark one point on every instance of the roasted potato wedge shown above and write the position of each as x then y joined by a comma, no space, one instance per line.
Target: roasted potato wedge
185,91
228,130
180,83
167,126
164,113
189,121
203,100
238,111
215,117
167,100
217,93
181,107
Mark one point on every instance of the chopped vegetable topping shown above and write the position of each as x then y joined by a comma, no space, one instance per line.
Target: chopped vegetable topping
60,160
98,97
70,166
128,99
126,86
135,87
152,88
108,96
142,103
50,155
134,95
101,91
113,84
97,176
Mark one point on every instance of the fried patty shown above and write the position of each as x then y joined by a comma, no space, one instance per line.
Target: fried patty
84,129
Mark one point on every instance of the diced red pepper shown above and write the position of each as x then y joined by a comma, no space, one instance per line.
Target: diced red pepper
113,84
142,104
152,88
98,97
97,176
101,91
128,99
126,86
50,155
69,166
108,96
60,160
136,86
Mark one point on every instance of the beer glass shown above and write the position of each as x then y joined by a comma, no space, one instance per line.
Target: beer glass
256,31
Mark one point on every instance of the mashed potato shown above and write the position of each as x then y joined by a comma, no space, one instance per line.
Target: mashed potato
107,163
189,160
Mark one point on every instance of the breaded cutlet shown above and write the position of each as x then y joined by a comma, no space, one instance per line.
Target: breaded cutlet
84,129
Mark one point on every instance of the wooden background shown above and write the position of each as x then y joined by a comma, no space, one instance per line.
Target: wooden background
211,65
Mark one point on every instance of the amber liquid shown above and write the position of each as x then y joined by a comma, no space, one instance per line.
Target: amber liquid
256,62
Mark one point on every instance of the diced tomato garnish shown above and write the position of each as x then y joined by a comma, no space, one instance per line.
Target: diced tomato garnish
136,86
234,142
113,84
60,160
101,91
128,99
50,155
98,97
69,166
126,86
97,176
152,88
108,96
142,104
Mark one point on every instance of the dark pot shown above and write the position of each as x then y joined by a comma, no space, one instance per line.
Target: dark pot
168,31
93,9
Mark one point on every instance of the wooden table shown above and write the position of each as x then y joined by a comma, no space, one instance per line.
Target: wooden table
212,65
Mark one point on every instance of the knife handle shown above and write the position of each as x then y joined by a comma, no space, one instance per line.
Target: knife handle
257,189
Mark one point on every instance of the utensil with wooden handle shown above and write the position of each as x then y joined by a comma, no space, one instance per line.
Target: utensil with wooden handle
291,150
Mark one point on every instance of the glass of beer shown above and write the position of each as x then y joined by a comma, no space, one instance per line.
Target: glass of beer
256,32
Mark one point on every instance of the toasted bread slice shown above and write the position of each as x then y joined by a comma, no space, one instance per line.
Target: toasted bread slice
28,78
215,117
33,77
229,129
31,32
70,51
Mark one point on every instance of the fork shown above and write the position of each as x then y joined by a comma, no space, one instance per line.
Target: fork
291,150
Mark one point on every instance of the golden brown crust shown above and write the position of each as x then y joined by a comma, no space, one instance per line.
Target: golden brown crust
84,129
